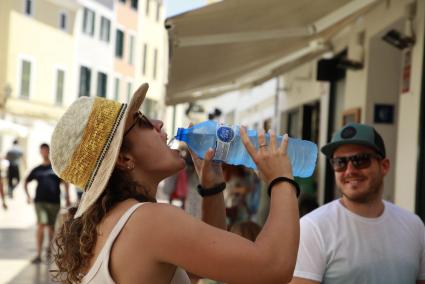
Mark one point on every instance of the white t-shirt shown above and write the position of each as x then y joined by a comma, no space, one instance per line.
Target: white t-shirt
338,246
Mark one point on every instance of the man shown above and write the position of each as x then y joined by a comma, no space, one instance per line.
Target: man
14,155
360,238
3,198
47,199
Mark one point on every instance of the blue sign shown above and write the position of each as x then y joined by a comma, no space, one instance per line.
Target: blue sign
383,113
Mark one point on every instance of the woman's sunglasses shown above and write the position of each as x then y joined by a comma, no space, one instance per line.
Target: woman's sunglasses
141,120
359,161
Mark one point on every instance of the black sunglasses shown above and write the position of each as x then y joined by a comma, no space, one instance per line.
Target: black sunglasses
142,120
359,161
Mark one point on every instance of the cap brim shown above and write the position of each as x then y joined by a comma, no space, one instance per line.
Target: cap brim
330,148
107,165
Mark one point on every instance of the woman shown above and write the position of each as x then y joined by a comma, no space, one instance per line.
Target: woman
119,234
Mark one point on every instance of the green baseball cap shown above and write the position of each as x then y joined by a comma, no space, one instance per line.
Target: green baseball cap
355,133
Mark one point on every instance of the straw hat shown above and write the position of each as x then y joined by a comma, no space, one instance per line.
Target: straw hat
87,140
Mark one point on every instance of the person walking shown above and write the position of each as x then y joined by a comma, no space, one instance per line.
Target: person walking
2,196
14,156
119,234
360,238
46,200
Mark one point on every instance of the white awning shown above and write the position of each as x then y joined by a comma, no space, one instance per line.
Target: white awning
238,43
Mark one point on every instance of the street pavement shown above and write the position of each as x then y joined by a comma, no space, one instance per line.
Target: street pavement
17,244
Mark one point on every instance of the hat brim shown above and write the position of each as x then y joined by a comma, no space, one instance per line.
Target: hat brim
107,165
330,148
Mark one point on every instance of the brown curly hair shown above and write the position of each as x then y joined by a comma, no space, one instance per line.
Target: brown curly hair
75,241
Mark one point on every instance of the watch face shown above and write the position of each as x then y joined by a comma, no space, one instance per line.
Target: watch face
225,134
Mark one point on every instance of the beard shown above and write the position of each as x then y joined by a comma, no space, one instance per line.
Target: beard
372,192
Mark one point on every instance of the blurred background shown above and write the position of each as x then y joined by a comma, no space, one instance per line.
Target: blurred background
301,67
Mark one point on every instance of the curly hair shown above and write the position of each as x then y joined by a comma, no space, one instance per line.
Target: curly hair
75,241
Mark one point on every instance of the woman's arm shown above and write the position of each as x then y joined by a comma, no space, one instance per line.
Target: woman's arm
210,175
172,236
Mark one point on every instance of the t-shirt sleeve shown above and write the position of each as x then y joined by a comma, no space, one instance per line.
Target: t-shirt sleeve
311,260
31,176
421,274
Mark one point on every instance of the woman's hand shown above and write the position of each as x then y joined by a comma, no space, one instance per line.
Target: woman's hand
271,160
209,172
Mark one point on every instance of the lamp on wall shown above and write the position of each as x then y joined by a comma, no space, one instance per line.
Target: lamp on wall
398,40
194,108
405,39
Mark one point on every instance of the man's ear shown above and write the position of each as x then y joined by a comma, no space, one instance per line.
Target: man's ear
124,161
385,164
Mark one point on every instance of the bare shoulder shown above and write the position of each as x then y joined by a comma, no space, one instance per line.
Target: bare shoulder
158,216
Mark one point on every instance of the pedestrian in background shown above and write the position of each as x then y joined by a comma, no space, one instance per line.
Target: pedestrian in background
14,156
119,234
360,238
46,200
3,198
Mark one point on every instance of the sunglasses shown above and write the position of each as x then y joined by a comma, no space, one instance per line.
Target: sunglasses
359,161
141,120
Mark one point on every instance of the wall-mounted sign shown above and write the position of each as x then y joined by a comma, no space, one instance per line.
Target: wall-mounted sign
383,113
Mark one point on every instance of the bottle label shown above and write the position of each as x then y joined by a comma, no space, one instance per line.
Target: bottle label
225,136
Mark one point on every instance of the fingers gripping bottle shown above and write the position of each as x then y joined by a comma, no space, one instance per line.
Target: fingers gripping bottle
228,146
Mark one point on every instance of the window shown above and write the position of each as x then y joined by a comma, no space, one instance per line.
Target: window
60,81
148,3
117,89
131,50
158,11
102,80
155,62
29,9
134,4
105,27
25,79
119,44
150,108
129,88
85,78
62,21
145,54
88,22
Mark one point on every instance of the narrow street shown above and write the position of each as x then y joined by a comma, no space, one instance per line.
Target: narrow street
17,244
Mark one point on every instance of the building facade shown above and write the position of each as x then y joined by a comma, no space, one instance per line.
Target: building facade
373,74
36,76
52,52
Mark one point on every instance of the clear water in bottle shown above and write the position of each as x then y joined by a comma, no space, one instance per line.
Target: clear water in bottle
228,146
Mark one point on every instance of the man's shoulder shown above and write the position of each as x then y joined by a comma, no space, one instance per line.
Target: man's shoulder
36,169
323,212
402,214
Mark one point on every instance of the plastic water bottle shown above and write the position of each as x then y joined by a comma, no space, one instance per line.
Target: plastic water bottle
228,146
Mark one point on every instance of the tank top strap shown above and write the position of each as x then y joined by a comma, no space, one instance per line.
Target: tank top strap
120,224
103,257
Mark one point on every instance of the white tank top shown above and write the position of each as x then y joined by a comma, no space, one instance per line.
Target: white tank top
99,273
